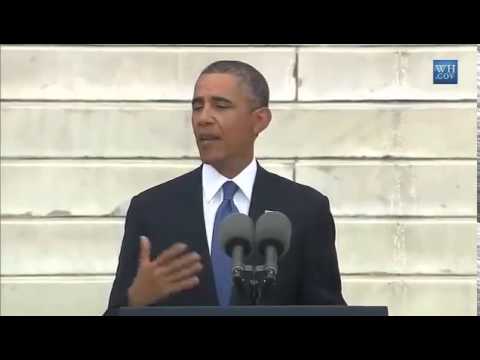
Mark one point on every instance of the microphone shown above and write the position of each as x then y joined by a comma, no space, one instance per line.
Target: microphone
236,238
272,237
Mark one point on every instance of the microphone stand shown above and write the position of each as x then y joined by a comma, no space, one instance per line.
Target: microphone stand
254,281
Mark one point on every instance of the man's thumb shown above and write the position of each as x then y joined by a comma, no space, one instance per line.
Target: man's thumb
144,249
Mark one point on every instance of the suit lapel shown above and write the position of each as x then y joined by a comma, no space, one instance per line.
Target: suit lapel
261,201
194,212
261,194
195,219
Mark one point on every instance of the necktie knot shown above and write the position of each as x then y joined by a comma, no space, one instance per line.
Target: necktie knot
229,190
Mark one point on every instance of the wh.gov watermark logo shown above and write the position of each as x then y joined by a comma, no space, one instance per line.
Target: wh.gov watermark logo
445,71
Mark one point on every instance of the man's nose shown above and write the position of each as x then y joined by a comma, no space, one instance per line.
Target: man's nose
205,117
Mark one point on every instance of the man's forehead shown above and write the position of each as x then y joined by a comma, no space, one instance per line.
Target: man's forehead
217,84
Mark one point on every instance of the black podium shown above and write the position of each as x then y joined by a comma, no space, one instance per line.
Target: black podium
253,311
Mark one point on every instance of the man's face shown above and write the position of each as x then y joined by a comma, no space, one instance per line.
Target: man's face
222,120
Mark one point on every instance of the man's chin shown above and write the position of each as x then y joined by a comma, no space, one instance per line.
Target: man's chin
211,160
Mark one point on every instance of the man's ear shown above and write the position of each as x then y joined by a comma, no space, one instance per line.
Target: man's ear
263,116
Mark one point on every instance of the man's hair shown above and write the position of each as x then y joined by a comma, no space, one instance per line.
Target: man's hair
250,76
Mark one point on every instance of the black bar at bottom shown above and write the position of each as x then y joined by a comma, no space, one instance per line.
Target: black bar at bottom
253,311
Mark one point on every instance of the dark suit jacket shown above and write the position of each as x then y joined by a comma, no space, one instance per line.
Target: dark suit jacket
171,212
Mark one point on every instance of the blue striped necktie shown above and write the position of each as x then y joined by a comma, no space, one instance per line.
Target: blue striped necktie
221,262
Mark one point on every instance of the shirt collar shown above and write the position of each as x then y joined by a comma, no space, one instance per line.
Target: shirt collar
212,180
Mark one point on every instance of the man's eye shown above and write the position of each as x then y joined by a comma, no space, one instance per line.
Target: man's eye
197,107
223,106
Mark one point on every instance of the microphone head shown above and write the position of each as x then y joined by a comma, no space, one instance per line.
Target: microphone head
237,229
273,228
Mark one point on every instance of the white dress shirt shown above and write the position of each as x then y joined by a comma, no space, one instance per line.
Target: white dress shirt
212,182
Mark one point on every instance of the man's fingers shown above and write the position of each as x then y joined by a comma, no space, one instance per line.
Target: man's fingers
144,255
181,263
186,273
184,285
171,253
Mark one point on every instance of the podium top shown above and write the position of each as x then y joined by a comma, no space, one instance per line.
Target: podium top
253,311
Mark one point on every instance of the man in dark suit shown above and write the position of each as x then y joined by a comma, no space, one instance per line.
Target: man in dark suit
169,254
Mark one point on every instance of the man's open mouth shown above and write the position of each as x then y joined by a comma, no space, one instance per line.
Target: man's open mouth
208,138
